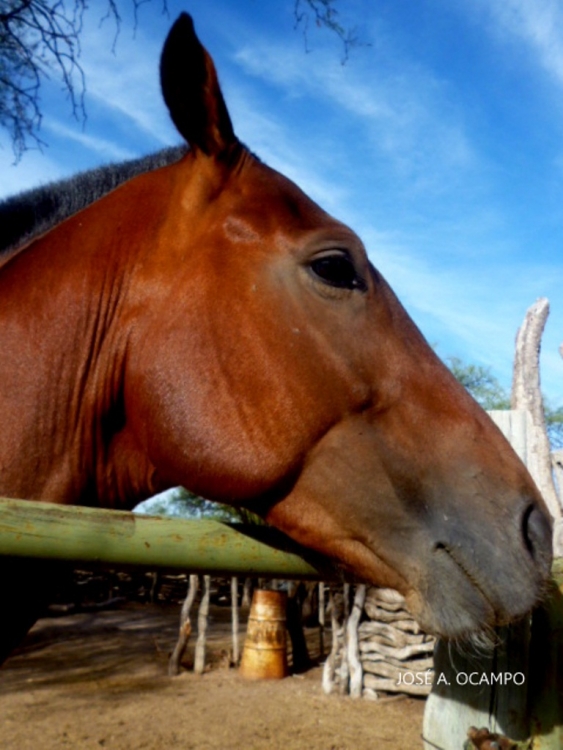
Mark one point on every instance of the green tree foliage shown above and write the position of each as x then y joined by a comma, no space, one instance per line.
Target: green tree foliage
490,394
184,504
554,422
480,383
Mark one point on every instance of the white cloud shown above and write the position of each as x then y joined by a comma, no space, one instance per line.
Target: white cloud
394,117
471,306
407,114
106,148
474,308
539,24
35,168
126,82
276,145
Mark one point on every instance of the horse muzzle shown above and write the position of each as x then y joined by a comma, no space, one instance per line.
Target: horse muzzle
477,581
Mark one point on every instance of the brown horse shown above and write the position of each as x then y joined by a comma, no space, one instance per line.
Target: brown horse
208,325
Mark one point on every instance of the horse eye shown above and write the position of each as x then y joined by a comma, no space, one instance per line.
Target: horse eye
337,270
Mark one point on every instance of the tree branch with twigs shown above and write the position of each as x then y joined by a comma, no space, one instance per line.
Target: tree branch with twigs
323,14
40,40
37,39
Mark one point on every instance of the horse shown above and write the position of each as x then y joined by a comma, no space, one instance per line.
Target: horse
208,325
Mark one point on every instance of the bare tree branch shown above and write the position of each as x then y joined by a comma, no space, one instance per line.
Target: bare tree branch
39,40
323,14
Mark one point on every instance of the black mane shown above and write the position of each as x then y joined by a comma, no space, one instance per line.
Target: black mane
33,212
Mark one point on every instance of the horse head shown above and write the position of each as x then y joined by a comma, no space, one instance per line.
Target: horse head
254,355
318,403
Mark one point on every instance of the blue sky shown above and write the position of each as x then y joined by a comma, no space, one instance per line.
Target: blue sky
440,141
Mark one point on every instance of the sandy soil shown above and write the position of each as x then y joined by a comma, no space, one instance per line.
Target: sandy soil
90,681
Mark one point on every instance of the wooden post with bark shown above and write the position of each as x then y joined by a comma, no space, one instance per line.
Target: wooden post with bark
294,625
185,627
322,607
235,620
202,620
352,647
336,621
343,669
246,592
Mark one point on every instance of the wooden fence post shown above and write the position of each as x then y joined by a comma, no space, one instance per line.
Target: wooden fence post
322,620
185,628
235,620
351,643
202,621
501,690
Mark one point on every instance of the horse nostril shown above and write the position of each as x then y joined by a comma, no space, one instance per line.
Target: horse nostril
536,532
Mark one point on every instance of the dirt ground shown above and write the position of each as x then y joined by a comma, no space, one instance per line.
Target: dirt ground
98,680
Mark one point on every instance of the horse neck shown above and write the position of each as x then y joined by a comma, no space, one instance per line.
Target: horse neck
63,337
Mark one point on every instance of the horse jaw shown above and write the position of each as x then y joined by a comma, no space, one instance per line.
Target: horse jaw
461,573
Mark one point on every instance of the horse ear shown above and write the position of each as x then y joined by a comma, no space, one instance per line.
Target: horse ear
191,91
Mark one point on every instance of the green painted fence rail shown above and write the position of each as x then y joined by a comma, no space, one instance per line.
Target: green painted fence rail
110,538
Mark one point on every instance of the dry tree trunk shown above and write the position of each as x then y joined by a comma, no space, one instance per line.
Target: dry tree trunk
526,395
235,624
185,628
202,618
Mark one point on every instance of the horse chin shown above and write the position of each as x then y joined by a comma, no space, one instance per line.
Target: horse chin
452,604
458,621
457,611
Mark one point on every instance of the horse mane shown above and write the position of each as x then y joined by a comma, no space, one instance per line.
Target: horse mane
33,212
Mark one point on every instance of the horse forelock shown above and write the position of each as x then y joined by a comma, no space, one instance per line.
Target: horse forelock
28,214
